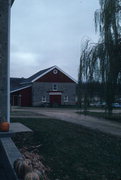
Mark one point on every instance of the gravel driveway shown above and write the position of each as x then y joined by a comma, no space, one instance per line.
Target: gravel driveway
71,115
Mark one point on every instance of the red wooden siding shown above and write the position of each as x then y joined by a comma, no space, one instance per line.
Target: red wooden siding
51,77
24,94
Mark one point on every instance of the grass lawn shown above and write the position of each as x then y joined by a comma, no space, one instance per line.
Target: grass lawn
113,117
74,152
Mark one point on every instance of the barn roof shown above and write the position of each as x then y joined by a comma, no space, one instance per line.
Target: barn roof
21,83
45,71
15,84
38,74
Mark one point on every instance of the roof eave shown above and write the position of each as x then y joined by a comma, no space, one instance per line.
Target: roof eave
18,89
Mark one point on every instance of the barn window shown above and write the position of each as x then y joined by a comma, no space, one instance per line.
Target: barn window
55,71
55,87
65,98
43,98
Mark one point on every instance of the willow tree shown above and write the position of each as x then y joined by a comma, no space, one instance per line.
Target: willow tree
108,22
88,72
102,61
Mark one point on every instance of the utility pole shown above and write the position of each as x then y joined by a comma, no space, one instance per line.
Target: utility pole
5,8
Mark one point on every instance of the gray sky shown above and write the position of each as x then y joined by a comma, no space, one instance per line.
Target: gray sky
50,32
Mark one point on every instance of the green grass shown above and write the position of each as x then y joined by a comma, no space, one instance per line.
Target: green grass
74,152
112,117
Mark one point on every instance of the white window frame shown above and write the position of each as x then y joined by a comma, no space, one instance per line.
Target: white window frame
55,85
65,98
44,99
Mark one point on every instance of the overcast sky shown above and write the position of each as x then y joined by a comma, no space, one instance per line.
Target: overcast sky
50,32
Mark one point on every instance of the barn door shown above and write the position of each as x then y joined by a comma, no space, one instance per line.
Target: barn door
55,100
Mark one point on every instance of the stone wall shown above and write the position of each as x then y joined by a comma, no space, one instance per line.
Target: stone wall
43,89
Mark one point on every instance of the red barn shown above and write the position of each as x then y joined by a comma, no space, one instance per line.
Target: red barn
50,86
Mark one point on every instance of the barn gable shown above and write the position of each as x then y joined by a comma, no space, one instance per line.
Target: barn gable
54,74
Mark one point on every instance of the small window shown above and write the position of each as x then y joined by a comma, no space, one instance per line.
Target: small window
65,98
55,87
43,98
55,71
